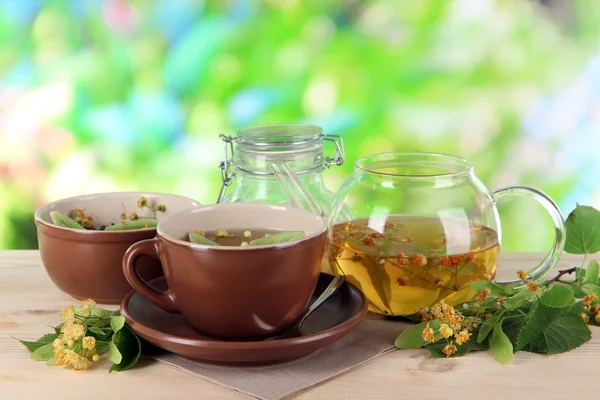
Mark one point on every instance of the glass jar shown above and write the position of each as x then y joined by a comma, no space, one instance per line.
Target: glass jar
250,153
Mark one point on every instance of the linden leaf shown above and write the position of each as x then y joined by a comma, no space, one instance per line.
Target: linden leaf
583,231
500,345
488,325
129,347
199,239
552,330
44,340
512,326
436,349
116,323
558,297
411,338
592,272
281,237
518,299
114,355
43,353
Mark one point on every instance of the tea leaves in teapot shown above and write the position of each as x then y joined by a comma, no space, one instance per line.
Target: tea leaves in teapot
277,238
199,239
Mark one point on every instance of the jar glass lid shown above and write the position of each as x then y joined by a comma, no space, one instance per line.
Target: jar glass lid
279,134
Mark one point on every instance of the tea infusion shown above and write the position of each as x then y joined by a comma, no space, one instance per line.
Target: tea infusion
416,262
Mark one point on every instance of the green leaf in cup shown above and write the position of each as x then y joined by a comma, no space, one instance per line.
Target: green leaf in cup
281,237
199,239
64,221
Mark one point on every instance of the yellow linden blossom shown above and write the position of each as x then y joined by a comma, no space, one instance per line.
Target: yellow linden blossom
68,314
87,305
449,349
89,342
222,233
73,331
200,232
522,274
142,202
588,299
584,317
428,334
446,331
462,337
532,287
483,294
597,318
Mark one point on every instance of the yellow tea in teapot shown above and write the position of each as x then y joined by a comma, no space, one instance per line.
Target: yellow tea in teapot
403,263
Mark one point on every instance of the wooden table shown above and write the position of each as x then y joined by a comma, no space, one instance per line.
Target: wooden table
29,302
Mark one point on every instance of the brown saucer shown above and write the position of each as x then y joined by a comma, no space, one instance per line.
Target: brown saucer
334,319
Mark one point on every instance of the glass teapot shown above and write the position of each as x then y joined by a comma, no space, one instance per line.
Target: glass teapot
422,227
250,153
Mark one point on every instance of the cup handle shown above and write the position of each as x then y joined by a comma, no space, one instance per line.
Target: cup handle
146,247
559,225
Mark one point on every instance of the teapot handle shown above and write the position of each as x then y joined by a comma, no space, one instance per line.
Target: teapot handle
557,219
295,190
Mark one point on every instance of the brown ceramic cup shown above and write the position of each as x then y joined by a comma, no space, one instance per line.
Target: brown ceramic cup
234,292
89,264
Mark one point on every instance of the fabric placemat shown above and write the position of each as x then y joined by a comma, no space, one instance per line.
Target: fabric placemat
372,338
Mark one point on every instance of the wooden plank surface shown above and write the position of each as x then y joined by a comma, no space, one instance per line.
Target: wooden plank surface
29,302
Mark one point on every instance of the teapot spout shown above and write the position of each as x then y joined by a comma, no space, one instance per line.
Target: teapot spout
295,190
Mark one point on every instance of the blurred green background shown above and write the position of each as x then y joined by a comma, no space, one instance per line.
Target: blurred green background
131,95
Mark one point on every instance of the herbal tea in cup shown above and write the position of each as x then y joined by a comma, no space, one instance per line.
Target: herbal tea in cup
411,229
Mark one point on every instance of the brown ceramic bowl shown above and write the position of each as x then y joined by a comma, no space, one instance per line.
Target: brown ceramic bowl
234,292
89,264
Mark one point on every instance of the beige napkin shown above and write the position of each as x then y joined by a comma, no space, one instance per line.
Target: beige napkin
372,338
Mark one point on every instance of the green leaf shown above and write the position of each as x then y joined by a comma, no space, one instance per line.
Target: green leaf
488,325
116,323
558,297
512,325
281,237
590,288
552,330
51,362
114,355
129,347
500,345
411,338
102,347
495,289
583,231
43,353
97,331
98,313
516,301
64,221
32,346
592,272
199,239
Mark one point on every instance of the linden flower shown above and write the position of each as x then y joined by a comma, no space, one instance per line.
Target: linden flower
483,294
247,235
200,232
462,337
222,233
161,208
133,216
588,299
402,259
446,331
428,334
469,257
68,314
597,318
406,239
532,287
584,317
449,349
521,274
89,342
402,281
142,202
595,309
419,259
244,244
87,305
73,331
